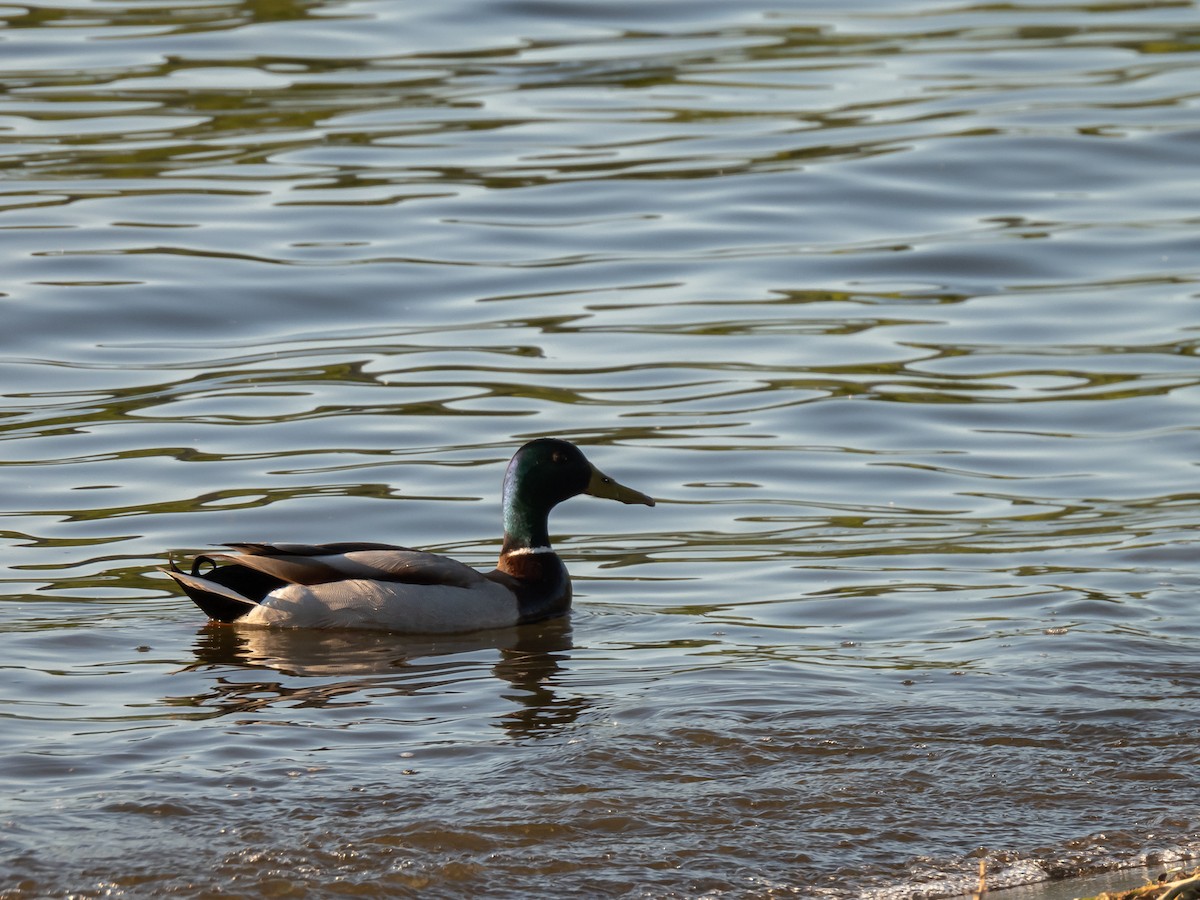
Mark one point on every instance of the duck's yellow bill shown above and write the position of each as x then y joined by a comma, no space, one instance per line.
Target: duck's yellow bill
601,485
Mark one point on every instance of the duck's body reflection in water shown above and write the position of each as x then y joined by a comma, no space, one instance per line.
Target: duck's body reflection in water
365,666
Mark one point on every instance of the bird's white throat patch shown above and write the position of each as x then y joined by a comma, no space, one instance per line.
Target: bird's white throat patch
525,551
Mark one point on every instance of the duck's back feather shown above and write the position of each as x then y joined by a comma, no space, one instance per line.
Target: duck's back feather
314,564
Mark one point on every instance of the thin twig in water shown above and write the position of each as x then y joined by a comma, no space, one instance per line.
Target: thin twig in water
982,889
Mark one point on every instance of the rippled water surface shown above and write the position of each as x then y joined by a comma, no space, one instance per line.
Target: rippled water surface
893,307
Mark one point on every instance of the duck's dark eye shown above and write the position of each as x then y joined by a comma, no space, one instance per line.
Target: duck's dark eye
557,458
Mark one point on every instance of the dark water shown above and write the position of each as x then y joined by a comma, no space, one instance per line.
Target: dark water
892,305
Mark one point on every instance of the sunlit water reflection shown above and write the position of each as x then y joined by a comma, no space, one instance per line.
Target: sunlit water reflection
892,307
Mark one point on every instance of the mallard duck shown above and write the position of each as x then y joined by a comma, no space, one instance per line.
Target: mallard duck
381,586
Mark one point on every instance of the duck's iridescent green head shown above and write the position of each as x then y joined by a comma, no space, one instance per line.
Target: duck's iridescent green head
544,473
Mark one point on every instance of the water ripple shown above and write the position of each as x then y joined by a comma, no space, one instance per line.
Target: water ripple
891,308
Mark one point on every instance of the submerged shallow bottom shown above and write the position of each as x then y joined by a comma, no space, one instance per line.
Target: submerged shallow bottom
555,759
1123,884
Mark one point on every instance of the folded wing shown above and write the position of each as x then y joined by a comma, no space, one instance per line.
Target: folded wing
313,564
